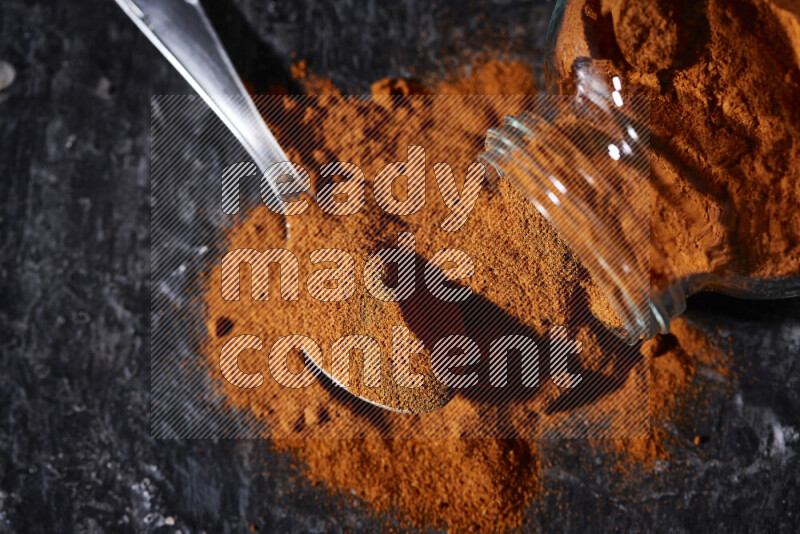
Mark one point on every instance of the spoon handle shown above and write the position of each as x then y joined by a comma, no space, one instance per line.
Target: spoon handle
182,32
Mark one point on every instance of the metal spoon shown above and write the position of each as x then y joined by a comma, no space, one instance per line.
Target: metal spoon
182,32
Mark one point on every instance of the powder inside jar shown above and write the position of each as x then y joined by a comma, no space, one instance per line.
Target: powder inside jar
725,129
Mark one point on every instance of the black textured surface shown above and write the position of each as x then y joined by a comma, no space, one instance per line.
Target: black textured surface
75,450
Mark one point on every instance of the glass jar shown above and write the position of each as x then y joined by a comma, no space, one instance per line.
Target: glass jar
583,157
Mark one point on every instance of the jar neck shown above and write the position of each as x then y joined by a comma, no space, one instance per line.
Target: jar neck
584,165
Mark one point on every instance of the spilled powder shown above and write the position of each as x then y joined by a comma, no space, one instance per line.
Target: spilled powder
675,360
462,484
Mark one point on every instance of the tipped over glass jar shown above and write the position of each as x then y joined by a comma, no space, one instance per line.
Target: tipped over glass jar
667,154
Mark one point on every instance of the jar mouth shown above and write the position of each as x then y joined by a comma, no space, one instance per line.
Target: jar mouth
594,190
639,320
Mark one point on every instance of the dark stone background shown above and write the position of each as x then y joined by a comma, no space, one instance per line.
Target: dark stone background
75,449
